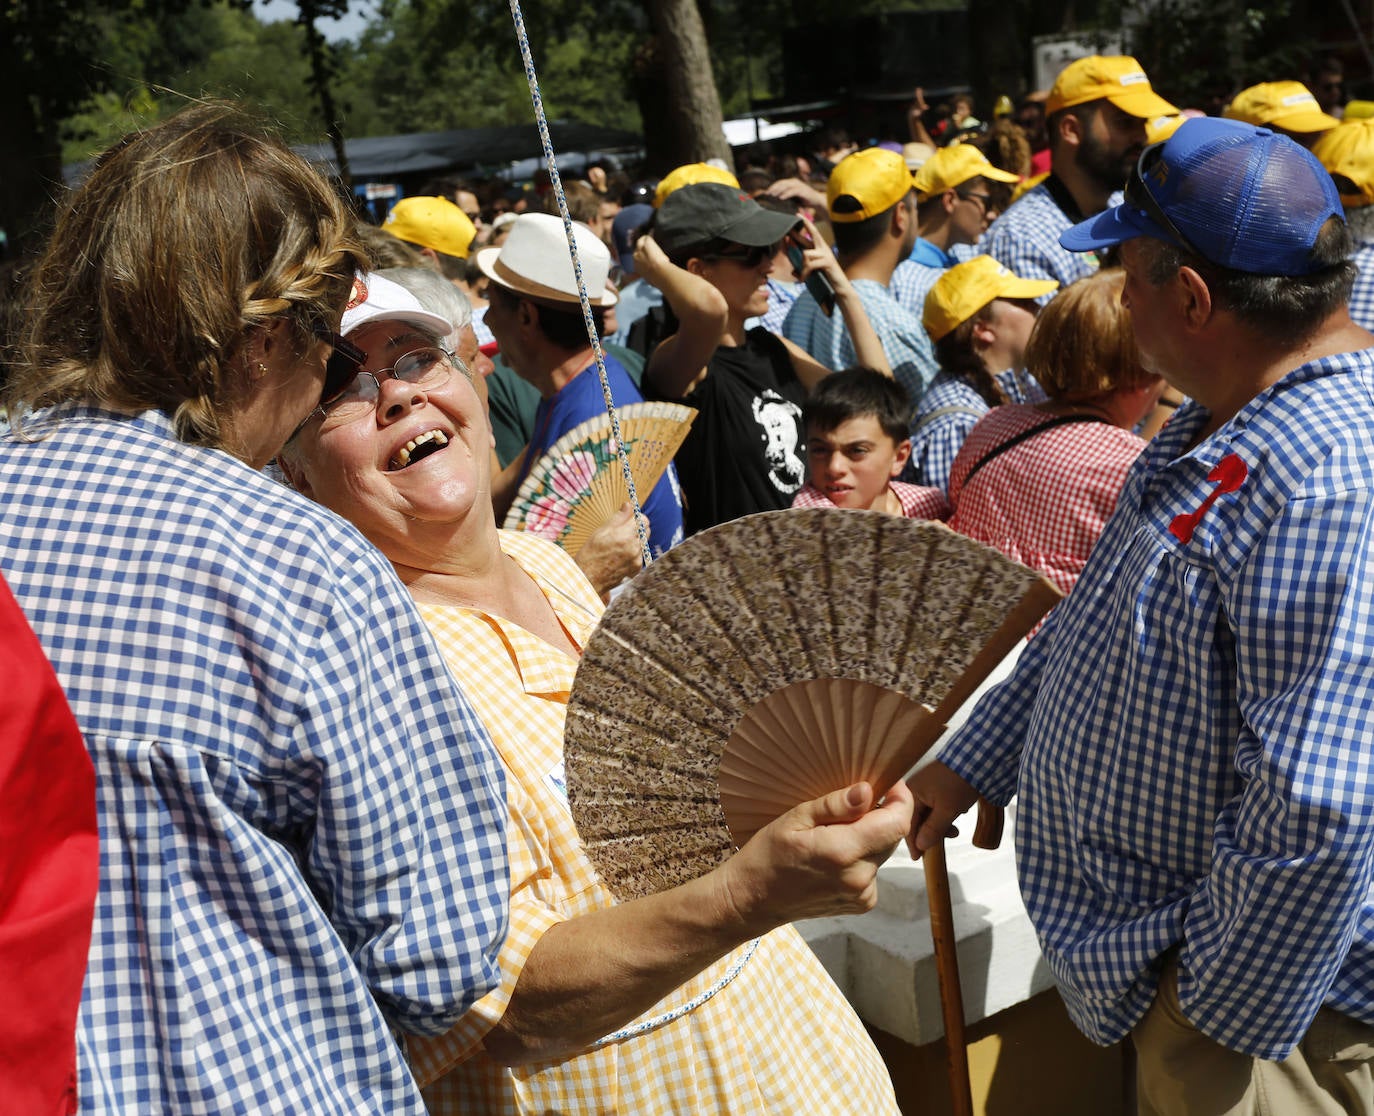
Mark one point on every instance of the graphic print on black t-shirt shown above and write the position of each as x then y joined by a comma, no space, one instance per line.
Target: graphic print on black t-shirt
744,451
780,421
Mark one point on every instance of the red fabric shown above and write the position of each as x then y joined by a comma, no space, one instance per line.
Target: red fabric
49,865
917,502
1045,501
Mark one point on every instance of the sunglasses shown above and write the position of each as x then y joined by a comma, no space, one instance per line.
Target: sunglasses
983,201
1138,194
342,366
746,255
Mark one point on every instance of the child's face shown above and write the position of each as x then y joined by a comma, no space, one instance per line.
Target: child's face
853,463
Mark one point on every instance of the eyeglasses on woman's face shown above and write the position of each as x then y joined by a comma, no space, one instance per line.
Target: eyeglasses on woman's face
427,367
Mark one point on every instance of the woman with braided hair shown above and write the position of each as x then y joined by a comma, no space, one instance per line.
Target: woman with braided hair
301,819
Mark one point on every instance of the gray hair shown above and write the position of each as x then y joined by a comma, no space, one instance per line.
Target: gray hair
437,295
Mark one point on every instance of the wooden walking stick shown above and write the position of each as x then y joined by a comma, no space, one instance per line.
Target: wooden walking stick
987,834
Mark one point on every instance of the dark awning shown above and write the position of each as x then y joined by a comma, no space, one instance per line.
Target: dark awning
389,157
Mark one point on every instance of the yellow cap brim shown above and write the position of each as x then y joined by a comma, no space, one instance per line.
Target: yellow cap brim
942,317
1144,103
998,175
1305,122
1016,287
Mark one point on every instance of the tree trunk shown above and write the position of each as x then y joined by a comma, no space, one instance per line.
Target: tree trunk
33,172
322,73
690,106
998,50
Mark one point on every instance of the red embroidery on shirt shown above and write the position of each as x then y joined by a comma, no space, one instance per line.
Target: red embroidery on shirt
1228,474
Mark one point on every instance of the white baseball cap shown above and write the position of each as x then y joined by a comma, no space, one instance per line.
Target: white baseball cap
378,299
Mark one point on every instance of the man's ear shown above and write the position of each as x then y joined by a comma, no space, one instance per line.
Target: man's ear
694,266
902,456
948,200
1070,129
1195,298
902,215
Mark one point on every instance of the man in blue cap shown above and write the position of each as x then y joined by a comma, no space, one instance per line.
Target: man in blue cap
1190,733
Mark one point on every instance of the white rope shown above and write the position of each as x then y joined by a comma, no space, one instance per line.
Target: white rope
733,971
557,182
643,1027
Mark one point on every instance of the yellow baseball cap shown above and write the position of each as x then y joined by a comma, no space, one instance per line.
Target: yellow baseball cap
689,175
1347,150
867,183
1160,128
966,288
434,223
1280,104
1358,110
953,166
1118,78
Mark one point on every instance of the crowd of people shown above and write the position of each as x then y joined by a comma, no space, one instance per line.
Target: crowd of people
251,501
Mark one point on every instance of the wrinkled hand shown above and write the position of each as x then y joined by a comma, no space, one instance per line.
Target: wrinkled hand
612,552
820,858
651,261
795,188
940,797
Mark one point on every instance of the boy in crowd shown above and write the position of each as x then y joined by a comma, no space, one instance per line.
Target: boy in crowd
856,445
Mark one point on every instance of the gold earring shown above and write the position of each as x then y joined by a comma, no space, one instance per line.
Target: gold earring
260,370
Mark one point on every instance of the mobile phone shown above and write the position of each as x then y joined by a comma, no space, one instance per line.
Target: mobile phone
818,283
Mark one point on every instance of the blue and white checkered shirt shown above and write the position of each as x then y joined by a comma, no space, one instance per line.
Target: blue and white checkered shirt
949,409
781,296
1362,295
1025,240
301,820
911,282
903,338
1190,734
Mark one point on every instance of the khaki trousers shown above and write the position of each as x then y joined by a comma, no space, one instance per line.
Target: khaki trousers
1181,1072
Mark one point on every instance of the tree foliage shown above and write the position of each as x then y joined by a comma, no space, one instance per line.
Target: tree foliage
1205,52
76,74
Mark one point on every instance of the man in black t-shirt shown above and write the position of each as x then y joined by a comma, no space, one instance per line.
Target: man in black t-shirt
710,253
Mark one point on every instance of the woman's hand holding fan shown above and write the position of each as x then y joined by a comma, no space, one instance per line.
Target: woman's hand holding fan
819,858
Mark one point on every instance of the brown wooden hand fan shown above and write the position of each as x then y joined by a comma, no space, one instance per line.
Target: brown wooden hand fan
579,484
769,661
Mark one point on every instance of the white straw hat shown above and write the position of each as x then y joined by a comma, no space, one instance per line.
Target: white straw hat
534,261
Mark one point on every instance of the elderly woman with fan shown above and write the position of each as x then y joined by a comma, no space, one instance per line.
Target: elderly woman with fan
664,1004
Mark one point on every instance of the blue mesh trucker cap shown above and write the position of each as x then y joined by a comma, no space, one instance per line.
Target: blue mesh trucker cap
1243,197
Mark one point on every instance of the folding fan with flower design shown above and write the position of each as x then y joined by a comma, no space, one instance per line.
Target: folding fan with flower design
579,483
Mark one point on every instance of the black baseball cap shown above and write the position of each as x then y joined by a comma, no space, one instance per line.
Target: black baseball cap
709,211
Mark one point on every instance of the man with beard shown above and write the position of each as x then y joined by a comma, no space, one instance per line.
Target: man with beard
1096,116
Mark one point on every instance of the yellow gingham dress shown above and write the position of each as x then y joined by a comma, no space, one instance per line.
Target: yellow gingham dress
778,1039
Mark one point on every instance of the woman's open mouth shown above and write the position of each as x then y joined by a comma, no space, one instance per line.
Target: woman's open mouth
417,449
